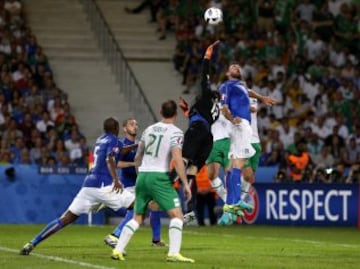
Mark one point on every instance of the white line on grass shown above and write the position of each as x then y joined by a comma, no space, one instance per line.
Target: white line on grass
58,259
286,239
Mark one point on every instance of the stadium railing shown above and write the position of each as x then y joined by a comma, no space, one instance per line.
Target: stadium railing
125,77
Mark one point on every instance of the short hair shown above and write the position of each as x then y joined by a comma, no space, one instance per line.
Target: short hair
111,125
126,121
168,109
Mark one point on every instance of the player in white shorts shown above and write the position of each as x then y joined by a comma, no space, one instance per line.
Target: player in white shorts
101,186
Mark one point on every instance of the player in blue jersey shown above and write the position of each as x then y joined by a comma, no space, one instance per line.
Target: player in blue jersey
101,186
235,99
128,178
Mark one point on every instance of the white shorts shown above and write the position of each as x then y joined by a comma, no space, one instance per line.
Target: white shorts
240,137
90,199
131,189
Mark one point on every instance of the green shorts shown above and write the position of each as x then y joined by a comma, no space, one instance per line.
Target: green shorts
155,186
253,161
220,152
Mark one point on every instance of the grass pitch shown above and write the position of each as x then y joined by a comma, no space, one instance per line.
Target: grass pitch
240,246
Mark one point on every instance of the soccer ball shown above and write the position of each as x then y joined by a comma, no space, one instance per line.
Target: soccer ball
213,16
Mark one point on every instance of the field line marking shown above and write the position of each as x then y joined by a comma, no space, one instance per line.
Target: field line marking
285,239
58,259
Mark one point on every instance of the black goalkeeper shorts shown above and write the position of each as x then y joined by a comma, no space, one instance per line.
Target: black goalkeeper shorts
198,142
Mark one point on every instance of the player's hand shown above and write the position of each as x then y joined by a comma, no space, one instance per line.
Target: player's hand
269,101
187,193
184,106
118,187
210,49
236,120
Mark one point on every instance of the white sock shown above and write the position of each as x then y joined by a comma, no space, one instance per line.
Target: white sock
245,186
175,236
218,186
126,234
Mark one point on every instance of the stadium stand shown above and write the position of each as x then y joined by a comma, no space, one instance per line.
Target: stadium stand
37,125
303,53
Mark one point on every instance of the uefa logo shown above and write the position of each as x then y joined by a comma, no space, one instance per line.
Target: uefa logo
252,198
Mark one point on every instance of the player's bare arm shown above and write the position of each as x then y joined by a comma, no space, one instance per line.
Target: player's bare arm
226,112
205,72
180,169
122,164
139,154
111,164
128,148
267,100
210,50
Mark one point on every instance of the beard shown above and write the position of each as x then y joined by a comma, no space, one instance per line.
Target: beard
233,75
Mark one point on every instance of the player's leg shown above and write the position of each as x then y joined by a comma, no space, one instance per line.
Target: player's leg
168,200
216,182
200,209
175,236
84,201
218,158
240,150
211,203
199,160
126,234
111,239
50,229
155,223
250,167
142,201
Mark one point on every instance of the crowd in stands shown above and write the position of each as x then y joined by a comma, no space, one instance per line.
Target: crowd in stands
36,122
303,53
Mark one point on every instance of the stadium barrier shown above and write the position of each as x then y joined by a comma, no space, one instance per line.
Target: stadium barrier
305,204
32,194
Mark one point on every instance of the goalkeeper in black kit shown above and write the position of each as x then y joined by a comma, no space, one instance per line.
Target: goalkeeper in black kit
198,140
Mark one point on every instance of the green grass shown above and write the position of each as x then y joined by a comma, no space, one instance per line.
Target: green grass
238,247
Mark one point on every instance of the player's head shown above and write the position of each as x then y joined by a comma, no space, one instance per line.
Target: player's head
234,71
111,126
168,109
130,127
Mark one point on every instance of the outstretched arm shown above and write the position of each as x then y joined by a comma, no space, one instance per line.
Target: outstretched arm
205,72
267,100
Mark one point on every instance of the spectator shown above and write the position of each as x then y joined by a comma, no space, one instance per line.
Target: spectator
35,152
306,10
45,122
324,159
286,132
350,154
298,163
266,14
59,150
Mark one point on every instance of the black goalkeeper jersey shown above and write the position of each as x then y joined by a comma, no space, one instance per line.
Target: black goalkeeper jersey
206,103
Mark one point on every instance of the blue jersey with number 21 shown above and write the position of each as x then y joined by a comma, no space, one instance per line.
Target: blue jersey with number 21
106,145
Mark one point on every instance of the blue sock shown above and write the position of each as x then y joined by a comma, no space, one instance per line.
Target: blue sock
155,225
50,229
229,189
129,215
236,184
